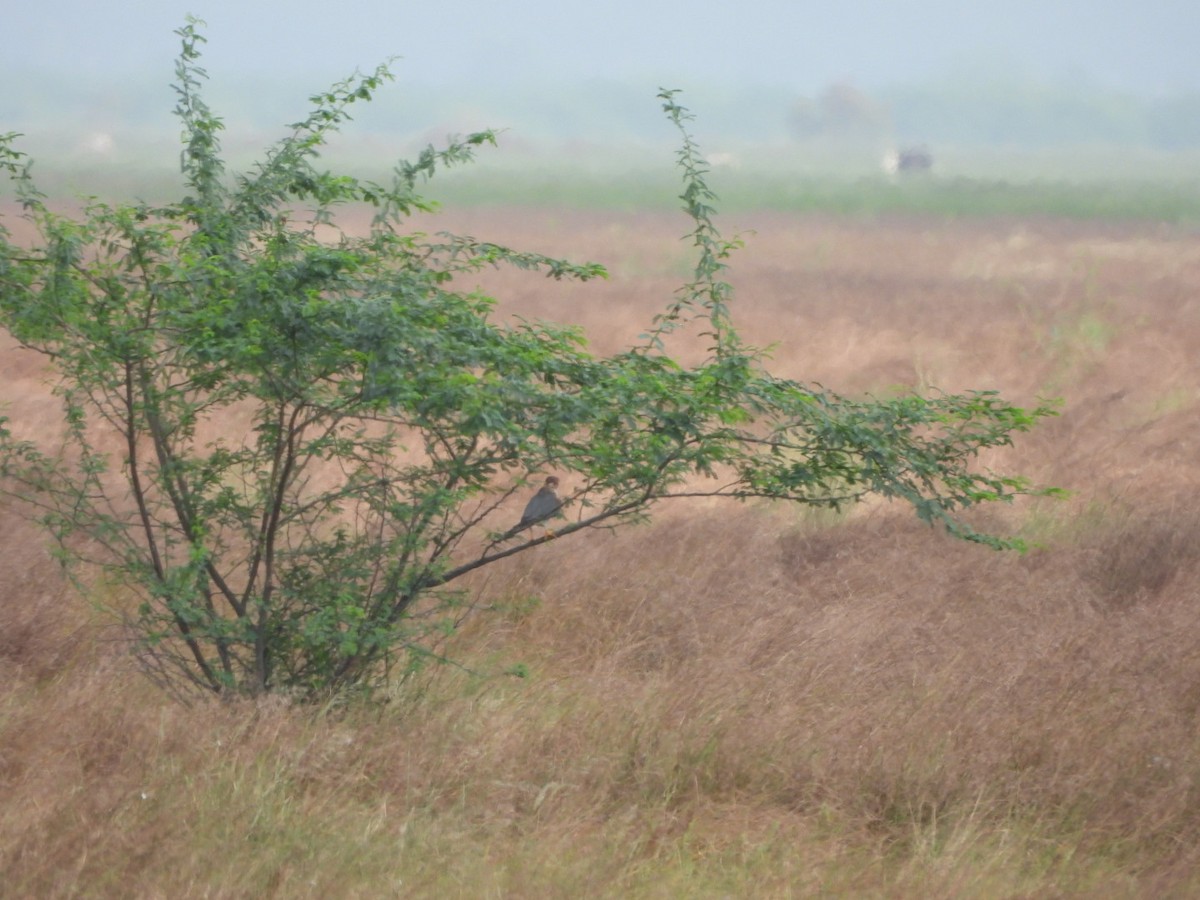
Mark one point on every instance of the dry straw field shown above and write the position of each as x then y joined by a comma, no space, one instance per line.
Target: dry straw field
736,700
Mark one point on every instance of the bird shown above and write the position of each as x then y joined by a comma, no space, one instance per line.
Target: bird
541,506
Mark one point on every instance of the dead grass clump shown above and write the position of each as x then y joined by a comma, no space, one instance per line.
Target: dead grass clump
41,630
1136,554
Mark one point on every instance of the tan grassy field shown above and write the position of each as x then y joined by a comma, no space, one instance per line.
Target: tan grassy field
735,701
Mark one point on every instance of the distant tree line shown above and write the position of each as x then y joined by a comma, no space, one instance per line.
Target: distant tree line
1015,113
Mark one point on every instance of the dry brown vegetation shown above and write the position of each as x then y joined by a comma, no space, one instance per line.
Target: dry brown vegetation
735,700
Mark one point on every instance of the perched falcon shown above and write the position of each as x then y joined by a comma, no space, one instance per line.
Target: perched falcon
541,506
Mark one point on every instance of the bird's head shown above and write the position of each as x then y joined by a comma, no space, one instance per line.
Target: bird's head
552,481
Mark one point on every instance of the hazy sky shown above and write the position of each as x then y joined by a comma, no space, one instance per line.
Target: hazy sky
1148,47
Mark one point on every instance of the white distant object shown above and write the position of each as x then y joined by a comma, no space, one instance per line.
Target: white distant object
724,161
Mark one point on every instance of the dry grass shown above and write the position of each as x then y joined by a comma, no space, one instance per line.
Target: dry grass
734,701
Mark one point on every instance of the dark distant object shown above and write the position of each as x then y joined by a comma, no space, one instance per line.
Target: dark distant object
914,159
908,161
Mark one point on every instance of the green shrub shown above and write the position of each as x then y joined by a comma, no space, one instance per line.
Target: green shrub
314,431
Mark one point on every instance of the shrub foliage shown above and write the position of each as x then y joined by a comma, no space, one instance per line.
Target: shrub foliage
283,444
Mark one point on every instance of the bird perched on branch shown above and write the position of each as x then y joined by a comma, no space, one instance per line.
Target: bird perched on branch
541,506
